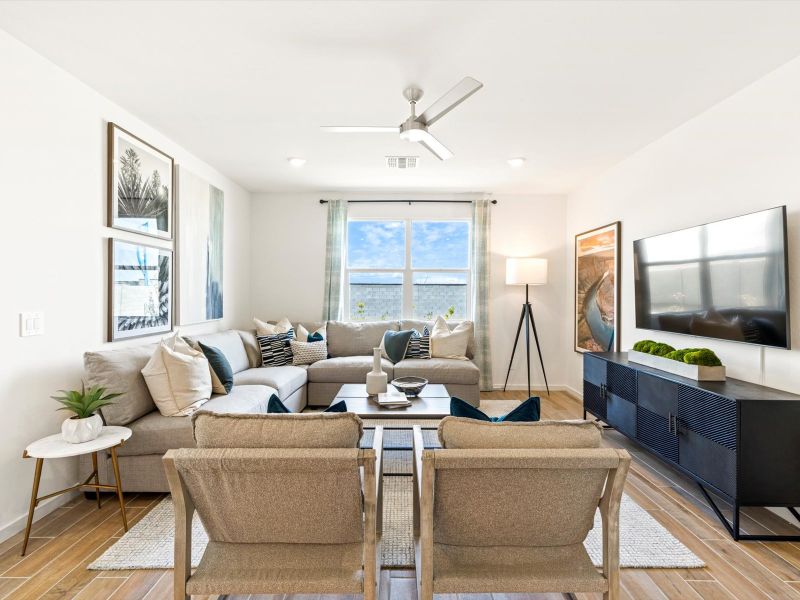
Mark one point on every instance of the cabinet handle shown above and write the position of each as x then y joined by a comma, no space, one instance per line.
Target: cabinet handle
671,424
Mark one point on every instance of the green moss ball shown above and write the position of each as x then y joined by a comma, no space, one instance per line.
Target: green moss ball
702,356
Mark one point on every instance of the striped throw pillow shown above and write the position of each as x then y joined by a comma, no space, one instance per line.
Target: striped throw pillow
419,346
276,350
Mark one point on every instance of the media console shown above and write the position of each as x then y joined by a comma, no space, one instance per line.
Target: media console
738,439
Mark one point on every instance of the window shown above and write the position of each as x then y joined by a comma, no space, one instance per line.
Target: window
407,269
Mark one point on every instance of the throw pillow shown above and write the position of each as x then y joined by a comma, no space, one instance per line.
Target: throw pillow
276,350
301,333
450,344
178,377
526,412
394,344
221,371
276,406
307,353
419,346
282,326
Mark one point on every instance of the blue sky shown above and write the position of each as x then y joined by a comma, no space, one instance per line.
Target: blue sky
381,245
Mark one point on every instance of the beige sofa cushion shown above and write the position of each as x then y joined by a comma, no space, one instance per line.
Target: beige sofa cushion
439,370
155,434
450,343
286,380
346,369
230,344
251,347
178,377
356,339
120,370
464,433
315,430
451,324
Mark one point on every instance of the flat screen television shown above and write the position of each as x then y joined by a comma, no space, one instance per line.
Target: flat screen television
727,280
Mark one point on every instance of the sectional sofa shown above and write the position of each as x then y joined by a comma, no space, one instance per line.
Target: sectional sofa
350,349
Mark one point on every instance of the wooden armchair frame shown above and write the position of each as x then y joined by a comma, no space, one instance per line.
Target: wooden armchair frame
369,460
424,479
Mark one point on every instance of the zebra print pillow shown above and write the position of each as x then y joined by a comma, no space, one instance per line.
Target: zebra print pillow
419,346
276,350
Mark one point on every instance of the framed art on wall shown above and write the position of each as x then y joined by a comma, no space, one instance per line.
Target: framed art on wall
140,290
200,229
140,185
597,256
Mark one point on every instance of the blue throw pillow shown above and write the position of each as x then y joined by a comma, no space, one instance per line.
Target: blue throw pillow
276,406
395,343
315,337
528,411
219,365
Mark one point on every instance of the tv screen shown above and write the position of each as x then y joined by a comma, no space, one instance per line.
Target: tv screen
725,280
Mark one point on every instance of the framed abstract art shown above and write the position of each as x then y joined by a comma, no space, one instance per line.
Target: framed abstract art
597,290
140,290
140,185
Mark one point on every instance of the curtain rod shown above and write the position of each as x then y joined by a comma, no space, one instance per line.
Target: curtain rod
407,201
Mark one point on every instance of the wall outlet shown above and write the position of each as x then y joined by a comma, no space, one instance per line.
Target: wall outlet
31,323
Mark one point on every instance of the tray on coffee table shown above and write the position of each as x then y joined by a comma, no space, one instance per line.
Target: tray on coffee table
433,402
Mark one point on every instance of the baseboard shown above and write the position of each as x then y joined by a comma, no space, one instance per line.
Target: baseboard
522,387
17,525
576,394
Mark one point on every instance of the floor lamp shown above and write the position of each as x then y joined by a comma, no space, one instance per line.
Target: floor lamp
527,272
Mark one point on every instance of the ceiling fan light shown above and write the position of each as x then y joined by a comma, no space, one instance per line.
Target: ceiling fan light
516,162
413,135
296,161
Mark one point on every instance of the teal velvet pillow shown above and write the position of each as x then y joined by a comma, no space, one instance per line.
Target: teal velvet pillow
395,343
528,411
276,406
219,364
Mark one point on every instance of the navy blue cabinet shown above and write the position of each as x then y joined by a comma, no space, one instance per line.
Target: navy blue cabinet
736,439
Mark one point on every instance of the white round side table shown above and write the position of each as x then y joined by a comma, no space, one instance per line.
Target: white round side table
54,446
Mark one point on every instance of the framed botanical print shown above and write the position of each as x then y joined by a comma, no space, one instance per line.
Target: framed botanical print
597,290
140,290
140,185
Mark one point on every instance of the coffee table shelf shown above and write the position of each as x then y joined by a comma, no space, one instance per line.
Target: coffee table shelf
432,403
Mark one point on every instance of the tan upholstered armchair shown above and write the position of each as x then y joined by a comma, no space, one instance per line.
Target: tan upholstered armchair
259,506
506,508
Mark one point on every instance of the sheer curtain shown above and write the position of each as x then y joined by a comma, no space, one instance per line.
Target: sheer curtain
332,308
481,226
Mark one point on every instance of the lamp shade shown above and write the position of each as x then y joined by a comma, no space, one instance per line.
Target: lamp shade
522,271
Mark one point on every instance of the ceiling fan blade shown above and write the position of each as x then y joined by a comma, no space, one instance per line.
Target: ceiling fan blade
460,92
437,148
359,129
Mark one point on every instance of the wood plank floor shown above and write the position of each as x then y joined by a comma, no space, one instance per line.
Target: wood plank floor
68,539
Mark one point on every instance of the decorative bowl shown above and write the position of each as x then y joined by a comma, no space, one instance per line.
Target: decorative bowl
410,386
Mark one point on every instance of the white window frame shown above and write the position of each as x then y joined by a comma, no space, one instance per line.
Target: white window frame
407,311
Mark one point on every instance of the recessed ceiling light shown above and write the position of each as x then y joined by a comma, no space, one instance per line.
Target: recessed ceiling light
296,161
516,162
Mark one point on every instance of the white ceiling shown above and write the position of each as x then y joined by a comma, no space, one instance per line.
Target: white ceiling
573,86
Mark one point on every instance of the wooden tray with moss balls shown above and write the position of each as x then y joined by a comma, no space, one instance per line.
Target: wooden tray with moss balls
700,364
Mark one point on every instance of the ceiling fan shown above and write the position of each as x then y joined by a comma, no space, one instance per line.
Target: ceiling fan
415,127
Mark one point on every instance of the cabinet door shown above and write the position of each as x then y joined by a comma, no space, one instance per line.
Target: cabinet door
593,400
655,415
707,428
594,370
621,398
658,395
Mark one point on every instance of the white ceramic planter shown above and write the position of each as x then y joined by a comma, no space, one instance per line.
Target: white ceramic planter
696,372
77,431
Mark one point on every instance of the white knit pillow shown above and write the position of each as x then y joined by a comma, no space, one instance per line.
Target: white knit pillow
306,353
263,328
450,344
178,377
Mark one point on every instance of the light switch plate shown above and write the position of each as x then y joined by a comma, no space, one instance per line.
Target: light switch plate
31,323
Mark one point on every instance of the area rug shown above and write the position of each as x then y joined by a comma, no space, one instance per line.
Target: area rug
644,543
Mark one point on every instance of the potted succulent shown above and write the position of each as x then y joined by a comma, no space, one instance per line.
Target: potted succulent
85,424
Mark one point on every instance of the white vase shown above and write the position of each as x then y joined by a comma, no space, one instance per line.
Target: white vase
77,431
376,379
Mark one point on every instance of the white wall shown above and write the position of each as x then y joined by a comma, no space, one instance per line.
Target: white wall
53,246
740,156
288,236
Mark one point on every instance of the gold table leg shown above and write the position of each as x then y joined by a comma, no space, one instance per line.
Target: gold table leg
96,478
118,481
34,501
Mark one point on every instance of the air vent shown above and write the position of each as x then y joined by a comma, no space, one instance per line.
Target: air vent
402,162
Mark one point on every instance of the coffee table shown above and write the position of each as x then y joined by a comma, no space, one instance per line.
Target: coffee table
433,402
